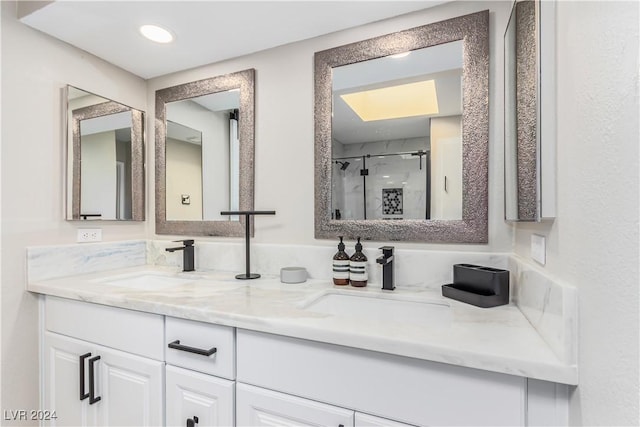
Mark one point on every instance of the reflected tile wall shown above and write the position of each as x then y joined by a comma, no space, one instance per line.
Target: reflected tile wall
384,172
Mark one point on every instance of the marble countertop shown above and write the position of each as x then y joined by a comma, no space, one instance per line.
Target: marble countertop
498,339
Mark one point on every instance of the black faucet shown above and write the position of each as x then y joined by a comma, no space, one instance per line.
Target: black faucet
188,263
386,260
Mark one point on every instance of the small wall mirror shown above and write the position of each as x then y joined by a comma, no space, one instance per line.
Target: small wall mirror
105,158
402,135
204,155
529,114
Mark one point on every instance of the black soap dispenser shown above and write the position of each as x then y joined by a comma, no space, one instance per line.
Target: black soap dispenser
358,267
341,266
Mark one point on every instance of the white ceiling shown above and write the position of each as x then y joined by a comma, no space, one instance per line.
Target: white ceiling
205,31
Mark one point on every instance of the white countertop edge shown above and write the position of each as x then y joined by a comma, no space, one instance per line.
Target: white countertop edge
548,371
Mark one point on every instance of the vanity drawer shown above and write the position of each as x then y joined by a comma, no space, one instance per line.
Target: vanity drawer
188,343
412,391
131,331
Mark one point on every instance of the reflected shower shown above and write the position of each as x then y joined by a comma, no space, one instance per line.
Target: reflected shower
343,165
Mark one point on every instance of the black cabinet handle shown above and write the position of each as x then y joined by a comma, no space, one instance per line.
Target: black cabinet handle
92,381
83,395
177,346
191,422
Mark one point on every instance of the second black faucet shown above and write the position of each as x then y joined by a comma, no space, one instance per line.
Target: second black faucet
388,274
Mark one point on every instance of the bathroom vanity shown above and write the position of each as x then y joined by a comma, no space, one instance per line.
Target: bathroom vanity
151,345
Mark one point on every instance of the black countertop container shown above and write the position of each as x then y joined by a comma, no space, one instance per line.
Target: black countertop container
477,285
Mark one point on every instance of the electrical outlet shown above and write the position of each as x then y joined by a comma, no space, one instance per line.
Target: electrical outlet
89,235
538,248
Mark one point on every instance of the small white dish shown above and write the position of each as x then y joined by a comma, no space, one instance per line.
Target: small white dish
293,274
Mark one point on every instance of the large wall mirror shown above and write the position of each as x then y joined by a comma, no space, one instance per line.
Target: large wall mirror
204,155
402,135
105,158
529,114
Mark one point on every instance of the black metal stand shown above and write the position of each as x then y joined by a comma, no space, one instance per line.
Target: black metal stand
248,275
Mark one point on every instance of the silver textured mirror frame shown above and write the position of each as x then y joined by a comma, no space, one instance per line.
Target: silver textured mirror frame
137,155
243,80
530,192
473,30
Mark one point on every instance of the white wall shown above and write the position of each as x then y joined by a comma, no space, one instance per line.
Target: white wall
593,243
34,69
284,165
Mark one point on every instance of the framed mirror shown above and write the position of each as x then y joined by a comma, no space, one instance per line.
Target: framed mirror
205,155
401,135
105,158
529,114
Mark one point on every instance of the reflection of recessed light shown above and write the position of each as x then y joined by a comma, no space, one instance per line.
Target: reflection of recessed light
404,182
400,55
156,34
385,176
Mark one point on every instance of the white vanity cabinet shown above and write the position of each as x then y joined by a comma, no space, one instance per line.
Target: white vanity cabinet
260,407
200,386
401,389
366,420
89,384
62,381
194,396
256,406
104,366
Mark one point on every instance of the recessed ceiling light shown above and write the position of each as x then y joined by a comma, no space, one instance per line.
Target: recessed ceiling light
156,34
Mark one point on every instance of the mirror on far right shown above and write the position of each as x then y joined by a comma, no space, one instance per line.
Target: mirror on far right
530,112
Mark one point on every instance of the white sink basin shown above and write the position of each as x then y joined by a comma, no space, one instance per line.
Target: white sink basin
149,280
382,308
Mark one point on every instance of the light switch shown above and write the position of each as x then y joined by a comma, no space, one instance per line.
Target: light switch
538,248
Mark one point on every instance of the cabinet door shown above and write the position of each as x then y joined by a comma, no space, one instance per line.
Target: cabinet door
62,357
192,394
130,389
366,420
259,407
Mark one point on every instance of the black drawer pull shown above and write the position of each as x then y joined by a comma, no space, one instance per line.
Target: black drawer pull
177,346
191,422
83,395
92,381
